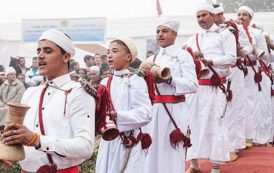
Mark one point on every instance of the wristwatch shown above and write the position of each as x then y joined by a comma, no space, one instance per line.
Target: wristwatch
169,80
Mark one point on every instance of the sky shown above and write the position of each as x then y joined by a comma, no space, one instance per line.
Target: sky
15,10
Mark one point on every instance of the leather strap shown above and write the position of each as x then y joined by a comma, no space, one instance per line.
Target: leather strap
41,118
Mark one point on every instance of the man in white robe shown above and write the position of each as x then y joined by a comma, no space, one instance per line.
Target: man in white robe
163,157
208,129
61,108
236,113
129,95
258,124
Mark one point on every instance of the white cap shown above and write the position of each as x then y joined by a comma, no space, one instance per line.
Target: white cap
248,10
169,22
205,6
131,46
218,10
94,68
60,39
9,70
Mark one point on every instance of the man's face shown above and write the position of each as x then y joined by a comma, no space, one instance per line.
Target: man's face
90,62
165,36
205,19
82,73
34,63
106,73
97,59
11,77
52,63
94,76
21,77
118,58
219,18
2,76
22,61
244,17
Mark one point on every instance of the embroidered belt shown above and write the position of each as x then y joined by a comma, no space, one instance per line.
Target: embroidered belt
74,169
209,81
169,99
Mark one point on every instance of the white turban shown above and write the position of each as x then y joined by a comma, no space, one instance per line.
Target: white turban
131,46
169,22
247,9
94,68
10,70
205,6
60,39
218,10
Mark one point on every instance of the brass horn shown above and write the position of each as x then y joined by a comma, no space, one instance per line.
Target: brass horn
204,71
157,71
109,131
258,53
16,115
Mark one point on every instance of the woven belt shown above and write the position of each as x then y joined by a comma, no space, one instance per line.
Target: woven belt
209,82
169,99
74,169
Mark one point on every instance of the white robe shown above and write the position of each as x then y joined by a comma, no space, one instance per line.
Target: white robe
133,106
264,118
70,135
236,109
162,158
208,130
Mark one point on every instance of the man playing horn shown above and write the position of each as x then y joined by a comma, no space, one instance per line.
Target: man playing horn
169,124
258,121
208,131
236,110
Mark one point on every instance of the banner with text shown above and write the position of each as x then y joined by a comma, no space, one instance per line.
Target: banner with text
79,30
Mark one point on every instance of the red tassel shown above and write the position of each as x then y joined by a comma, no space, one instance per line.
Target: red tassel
145,139
229,95
215,79
150,84
129,141
175,137
272,92
258,78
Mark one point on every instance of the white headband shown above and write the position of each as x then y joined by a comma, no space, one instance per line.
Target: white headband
218,10
248,10
60,39
169,22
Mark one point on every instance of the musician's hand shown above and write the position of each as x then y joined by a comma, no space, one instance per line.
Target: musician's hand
206,62
159,80
112,115
6,164
241,52
15,133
